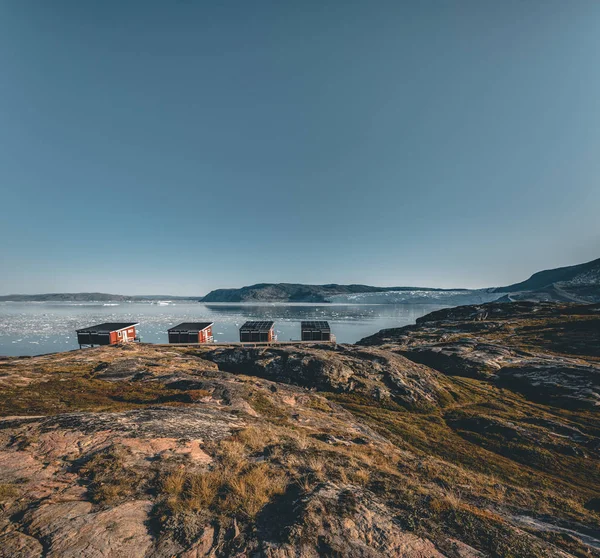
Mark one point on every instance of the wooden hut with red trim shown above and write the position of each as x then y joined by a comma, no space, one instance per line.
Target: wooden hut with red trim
315,330
191,332
109,333
257,332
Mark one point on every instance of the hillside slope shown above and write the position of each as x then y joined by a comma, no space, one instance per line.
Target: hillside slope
293,292
474,433
571,276
577,283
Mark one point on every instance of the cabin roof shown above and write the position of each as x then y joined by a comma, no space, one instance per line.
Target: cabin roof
108,327
315,324
191,326
258,326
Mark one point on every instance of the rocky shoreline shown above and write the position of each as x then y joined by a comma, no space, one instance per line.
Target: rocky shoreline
473,433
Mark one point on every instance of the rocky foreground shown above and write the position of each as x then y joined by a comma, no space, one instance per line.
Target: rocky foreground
474,433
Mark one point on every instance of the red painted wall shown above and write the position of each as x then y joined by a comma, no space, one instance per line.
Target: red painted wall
116,338
204,335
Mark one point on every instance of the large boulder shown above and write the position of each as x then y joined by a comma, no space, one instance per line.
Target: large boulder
363,371
554,381
340,521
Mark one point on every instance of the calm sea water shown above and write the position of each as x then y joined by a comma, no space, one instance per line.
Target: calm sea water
32,328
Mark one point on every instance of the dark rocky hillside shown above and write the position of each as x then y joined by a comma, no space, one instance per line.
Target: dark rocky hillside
474,433
290,292
573,275
575,283
548,352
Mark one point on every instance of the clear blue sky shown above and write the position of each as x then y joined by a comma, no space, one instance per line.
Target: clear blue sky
179,146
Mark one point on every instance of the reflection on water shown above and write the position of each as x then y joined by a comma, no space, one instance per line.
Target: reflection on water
29,328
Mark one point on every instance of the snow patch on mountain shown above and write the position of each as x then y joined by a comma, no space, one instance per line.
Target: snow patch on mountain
451,297
588,277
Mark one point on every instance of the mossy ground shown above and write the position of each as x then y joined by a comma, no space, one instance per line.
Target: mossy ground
63,386
72,394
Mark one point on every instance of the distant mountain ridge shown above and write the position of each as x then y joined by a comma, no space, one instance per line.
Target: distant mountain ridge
576,283
296,292
87,297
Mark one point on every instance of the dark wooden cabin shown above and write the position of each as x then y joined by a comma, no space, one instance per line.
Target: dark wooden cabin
191,332
315,331
107,334
257,332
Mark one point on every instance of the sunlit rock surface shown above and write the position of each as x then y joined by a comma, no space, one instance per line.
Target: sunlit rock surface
474,433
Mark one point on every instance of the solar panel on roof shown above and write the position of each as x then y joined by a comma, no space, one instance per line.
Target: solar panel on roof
108,327
315,330
191,326
315,324
263,325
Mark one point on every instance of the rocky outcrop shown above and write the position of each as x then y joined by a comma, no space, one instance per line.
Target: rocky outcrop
555,381
519,345
369,372
418,445
342,521
161,422
75,530
463,357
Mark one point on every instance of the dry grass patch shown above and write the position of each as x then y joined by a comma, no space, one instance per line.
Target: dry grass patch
8,492
203,489
232,454
109,480
235,486
266,408
317,466
300,440
359,476
184,491
221,492
319,404
255,438
173,482
248,492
